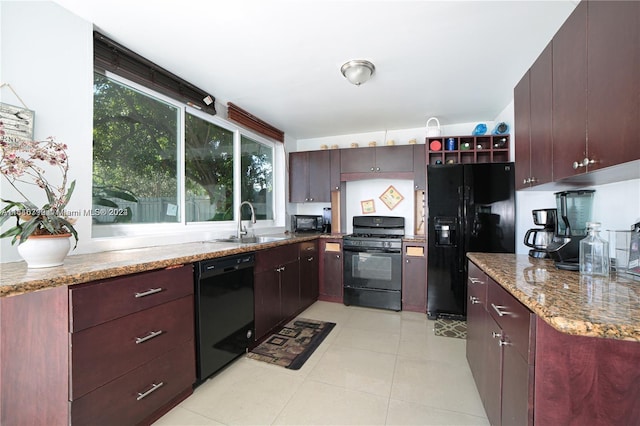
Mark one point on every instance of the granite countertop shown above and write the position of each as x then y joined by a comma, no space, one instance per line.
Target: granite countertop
569,302
16,278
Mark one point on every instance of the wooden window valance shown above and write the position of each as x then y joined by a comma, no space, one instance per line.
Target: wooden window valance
241,116
111,56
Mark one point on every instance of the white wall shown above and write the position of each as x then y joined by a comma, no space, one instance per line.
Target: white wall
372,189
47,57
616,206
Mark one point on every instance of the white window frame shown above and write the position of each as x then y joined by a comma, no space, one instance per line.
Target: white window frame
205,229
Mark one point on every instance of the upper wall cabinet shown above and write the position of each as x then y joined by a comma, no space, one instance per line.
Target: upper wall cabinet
613,83
596,90
522,118
533,122
309,176
383,159
570,93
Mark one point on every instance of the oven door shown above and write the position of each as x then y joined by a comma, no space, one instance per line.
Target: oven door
372,269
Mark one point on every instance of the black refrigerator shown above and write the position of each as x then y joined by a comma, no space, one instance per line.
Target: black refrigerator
471,208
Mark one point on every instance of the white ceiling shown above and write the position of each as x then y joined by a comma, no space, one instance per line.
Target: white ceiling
280,59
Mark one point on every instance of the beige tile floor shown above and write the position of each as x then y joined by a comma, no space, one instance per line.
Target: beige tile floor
376,367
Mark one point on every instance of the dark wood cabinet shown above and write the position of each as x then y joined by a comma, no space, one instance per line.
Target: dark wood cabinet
309,273
527,372
468,149
334,177
309,176
331,267
115,351
541,125
276,287
414,277
419,167
522,119
584,98
613,83
499,350
267,301
372,160
570,93
483,354
533,122
585,380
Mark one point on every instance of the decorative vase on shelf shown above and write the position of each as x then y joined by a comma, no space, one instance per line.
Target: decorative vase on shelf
45,251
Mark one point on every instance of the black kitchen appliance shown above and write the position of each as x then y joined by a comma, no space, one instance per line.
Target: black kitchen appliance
471,208
326,215
540,238
307,223
224,312
373,262
574,211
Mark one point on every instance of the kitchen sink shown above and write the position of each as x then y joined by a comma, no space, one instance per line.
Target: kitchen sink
251,240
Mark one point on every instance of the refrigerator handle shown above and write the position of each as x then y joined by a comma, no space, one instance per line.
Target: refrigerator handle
463,192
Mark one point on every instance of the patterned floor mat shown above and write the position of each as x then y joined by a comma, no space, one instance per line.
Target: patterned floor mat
450,328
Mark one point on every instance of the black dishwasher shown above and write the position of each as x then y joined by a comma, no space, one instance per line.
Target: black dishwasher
224,311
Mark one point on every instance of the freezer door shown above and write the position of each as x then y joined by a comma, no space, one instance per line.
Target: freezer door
489,208
446,288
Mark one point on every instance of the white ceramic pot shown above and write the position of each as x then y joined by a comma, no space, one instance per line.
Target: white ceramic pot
45,251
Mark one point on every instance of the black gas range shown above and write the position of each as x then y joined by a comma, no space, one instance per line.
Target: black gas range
373,262
376,232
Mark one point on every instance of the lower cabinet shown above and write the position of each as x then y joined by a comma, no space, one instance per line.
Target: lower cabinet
499,350
309,280
331,266
527,372
114,351
132,346
414,277
276,287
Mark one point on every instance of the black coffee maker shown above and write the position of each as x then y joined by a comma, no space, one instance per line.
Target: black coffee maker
574,211
540,238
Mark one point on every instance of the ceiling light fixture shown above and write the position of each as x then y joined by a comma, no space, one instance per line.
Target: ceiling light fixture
358,71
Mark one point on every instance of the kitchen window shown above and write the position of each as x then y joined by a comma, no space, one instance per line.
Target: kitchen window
256,180
135,151
150,152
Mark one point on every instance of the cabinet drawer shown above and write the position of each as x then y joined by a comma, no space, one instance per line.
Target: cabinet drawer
266,260
131,398
477,285
308,248
106,300
107,351
513,318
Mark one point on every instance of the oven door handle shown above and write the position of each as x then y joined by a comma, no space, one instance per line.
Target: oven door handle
371,250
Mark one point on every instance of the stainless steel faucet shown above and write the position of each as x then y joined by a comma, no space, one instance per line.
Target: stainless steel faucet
243,230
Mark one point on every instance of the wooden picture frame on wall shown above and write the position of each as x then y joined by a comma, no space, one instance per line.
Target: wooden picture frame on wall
368,206
391,197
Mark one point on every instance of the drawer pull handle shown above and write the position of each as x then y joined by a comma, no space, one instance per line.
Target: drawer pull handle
154,387
149,336
475,280
149,292
496,335
503,343
474,300
310,259
499,310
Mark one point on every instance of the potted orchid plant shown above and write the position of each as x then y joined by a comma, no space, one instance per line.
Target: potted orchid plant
26,162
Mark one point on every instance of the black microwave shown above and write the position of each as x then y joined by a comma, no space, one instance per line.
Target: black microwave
307,223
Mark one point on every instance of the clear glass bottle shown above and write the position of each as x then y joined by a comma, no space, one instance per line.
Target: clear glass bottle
594,252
